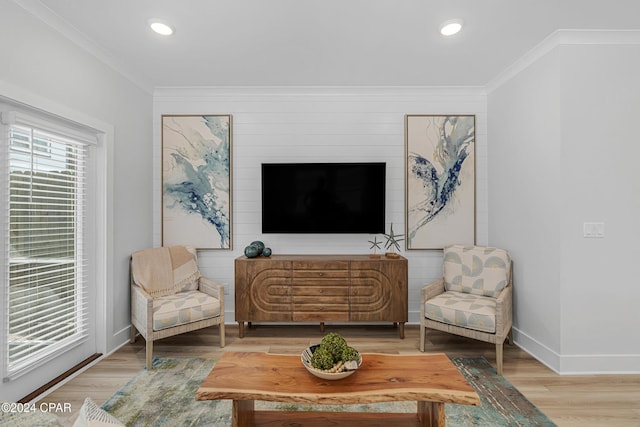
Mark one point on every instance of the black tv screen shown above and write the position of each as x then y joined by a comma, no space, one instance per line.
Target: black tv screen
323,197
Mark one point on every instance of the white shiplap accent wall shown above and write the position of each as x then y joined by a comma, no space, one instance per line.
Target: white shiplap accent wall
304,124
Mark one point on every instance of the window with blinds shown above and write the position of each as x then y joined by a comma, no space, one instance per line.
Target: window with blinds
46,283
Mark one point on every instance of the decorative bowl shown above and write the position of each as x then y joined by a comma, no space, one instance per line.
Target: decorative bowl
305,357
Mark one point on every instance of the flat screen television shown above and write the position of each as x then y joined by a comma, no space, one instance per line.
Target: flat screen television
323,197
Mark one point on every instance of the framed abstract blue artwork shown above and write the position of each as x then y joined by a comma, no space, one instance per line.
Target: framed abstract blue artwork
440,180
196,181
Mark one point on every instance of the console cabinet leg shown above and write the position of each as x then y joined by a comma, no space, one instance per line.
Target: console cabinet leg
240,329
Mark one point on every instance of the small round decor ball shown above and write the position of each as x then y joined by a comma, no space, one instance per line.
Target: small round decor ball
258,244
266,252
251,251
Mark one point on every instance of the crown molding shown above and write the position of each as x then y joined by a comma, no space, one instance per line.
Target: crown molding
561,38
395,92
43,13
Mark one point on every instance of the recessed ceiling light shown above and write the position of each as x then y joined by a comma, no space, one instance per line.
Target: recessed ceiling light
449,28
160,27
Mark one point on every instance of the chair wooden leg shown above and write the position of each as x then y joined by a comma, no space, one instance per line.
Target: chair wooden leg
499,358
222,334
422,338
133,334
149,354
510,337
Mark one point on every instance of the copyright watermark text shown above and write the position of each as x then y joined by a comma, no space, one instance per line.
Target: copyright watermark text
53,407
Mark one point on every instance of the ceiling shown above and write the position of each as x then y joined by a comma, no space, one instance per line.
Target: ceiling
322,43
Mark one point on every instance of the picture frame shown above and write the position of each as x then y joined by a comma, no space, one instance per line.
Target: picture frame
197,181
440,180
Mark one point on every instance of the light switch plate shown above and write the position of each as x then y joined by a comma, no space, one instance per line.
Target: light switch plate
594,230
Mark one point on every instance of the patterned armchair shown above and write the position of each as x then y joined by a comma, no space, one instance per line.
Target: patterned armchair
170,297
474,297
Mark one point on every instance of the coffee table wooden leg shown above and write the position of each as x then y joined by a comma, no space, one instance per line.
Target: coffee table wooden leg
431,414
242,413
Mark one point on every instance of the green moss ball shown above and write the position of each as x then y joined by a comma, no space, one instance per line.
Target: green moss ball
322,359
335,343
349,353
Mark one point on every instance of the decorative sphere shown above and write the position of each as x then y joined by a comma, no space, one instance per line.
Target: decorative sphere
251,251
266,252
258,244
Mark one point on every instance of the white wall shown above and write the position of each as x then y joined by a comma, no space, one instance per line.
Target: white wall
524,172
315,124
40,66
600,94
563,151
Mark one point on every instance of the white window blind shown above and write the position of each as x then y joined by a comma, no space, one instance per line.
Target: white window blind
46,287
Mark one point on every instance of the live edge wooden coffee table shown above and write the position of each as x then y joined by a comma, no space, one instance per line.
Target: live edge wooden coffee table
430,379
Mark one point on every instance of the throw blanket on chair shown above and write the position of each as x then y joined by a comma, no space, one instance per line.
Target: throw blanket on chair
165,270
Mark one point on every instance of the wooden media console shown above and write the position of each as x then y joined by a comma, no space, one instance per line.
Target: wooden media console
321,288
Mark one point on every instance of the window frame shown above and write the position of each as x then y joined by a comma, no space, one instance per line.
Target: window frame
54,127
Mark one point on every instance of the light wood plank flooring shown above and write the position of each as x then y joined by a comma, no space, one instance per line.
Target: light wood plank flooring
595,400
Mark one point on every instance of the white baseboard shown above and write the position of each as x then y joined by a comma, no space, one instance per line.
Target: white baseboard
539,351
118,340
577,364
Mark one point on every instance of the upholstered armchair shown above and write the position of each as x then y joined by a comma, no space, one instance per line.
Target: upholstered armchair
473,298
170,297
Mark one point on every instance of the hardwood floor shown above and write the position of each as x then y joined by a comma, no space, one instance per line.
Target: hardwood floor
594,400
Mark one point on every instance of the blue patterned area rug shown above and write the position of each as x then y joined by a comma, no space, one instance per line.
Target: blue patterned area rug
166,397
